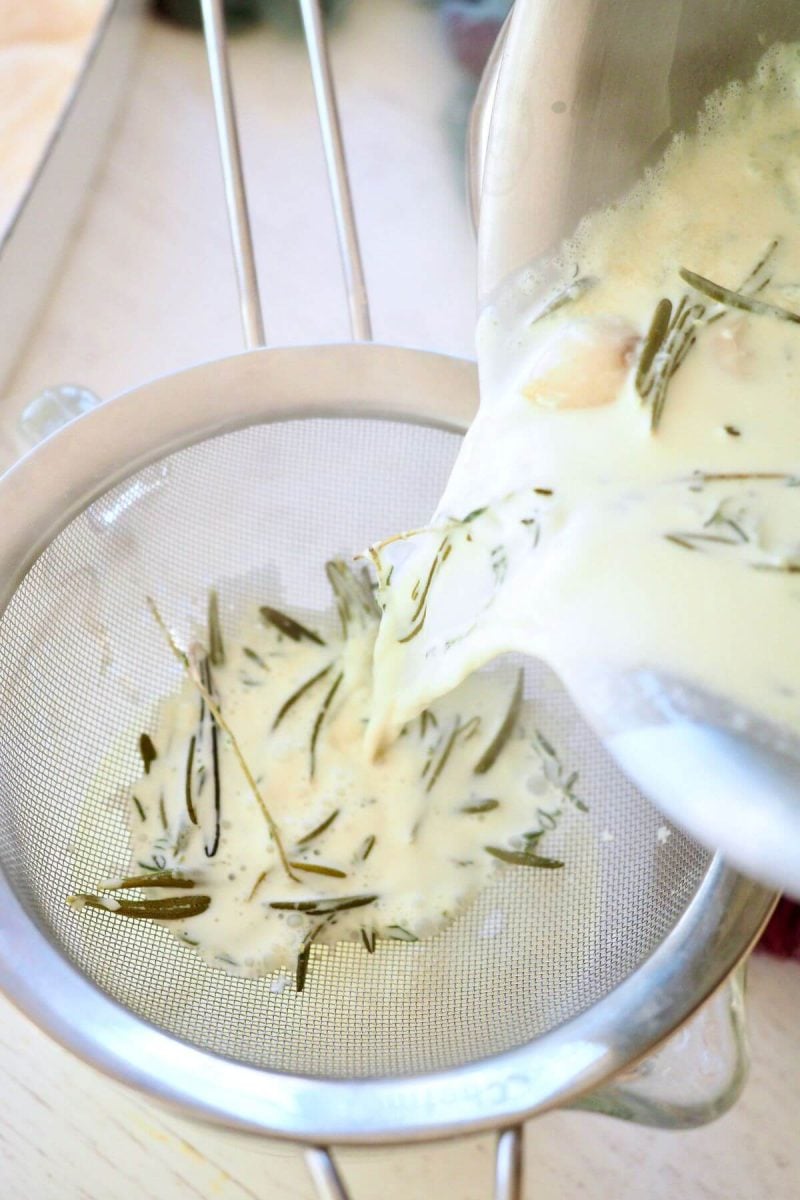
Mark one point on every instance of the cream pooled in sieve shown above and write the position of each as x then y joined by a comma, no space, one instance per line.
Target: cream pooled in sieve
385,849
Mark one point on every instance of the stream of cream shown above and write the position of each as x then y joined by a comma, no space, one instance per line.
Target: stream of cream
574,530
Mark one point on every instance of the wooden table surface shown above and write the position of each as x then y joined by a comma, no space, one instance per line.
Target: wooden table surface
148,288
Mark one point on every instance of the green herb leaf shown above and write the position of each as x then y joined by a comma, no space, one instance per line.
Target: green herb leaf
288,626
298,695
318,869
659,327
210,729
564,295
787,568
173,908
458,733
352,591
326,824
500,739
156,879
733,299
523,858
188,781
305,954
216,646
678,540
399,934
420,591
426,718
148,751
323,905
315,732
480,806
473,516
257,885
248,652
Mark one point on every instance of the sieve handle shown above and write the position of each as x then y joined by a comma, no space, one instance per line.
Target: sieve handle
325,1175
232,173
508,1169
508,1164
336,164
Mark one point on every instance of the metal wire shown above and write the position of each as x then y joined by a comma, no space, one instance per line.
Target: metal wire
232,173
338,178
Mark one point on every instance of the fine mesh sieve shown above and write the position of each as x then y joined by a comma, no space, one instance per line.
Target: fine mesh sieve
547,986
246,475
254,513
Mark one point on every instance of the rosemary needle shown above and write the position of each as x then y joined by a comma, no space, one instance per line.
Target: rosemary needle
319,869
173,908
353,595
216,646
659,327
288,626
523,858
420,613
458,733
207,680
426,717
498,742
326,824
563,295
480,806
733,299
326,703
248,652
155,879
188,781
148,752
323,905
399,934
412,633
257,885
298,694
305,954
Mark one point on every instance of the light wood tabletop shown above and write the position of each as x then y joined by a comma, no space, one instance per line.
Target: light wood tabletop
148,288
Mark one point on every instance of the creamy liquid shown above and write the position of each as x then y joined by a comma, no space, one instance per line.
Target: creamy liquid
408,832
573,530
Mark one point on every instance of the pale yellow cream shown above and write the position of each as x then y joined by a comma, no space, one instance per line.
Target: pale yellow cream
578,527
412,837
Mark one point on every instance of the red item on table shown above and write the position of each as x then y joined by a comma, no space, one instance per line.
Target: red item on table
782,935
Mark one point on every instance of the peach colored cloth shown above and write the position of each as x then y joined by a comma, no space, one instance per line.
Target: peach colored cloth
42,46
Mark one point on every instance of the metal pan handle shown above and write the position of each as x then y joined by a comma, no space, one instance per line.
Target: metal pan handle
233,175
336,164
508,1169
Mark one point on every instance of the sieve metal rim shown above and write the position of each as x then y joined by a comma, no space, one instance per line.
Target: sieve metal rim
40,496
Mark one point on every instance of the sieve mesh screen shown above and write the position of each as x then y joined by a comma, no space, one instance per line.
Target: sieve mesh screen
256,513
